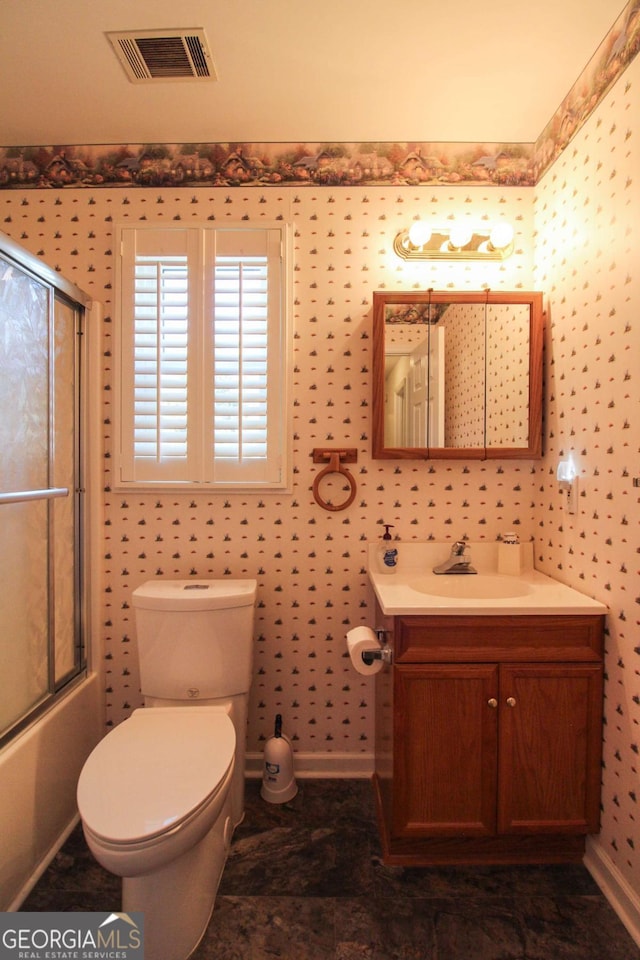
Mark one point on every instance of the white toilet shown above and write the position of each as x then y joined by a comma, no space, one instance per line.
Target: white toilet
161,794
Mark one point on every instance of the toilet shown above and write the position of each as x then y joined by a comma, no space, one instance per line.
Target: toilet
160,796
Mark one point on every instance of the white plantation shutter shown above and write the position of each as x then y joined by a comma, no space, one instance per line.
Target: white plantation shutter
202,398
240,355
160,358
246,351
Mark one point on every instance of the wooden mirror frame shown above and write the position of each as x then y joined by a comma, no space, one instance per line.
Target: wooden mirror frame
533,450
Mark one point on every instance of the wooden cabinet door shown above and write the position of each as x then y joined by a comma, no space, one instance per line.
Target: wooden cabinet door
445,737
549,746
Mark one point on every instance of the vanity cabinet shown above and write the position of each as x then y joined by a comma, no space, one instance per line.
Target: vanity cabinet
488,739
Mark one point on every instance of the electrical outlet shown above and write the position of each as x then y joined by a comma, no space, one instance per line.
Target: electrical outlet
572,496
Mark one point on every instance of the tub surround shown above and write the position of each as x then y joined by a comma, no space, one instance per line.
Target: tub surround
38,776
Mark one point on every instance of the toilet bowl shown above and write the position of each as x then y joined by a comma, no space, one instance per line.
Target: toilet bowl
154,798
154,785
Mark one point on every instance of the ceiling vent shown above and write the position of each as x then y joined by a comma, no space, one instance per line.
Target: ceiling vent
151,55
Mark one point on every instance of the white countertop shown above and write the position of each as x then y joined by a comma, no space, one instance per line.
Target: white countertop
406,590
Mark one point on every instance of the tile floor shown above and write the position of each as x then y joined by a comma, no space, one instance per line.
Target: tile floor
304,881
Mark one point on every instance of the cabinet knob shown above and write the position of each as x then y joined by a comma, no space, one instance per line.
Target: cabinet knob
493,703
511,701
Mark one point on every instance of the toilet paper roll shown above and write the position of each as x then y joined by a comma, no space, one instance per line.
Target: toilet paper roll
359,641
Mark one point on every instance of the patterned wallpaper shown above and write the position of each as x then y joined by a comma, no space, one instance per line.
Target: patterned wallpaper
587,212
310,564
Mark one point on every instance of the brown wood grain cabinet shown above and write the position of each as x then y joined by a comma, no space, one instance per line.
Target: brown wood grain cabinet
489,738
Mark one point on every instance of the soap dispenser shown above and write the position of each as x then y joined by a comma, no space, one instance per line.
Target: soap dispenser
388,553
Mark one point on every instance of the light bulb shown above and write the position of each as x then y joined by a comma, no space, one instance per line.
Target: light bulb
419,233
460,235
501,236
566,471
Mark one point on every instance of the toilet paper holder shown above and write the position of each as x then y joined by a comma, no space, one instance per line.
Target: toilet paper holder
385,652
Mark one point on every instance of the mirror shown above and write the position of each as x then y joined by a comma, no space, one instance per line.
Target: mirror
457,375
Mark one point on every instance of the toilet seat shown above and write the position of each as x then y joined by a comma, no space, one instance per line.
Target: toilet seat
154,771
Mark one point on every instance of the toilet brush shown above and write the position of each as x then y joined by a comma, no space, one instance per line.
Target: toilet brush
278,781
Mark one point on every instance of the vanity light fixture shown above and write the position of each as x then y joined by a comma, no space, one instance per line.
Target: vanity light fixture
567,478
460,241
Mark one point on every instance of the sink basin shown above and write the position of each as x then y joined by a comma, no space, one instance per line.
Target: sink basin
470,586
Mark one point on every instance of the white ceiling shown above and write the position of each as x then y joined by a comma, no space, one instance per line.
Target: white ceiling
298,70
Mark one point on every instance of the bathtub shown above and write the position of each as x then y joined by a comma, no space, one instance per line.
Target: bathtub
38,775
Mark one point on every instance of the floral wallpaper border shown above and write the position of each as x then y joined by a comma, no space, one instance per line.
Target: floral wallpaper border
609,61
331,164
266,164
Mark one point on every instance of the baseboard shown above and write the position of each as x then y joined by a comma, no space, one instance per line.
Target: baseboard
319,765
622,897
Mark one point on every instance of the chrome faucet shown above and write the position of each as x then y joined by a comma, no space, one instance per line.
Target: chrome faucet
459,560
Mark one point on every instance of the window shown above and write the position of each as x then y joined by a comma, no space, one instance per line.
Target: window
202,357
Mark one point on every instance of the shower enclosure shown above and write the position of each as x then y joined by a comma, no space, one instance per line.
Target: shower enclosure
40,501
49,701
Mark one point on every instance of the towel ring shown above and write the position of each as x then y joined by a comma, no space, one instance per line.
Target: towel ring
336,465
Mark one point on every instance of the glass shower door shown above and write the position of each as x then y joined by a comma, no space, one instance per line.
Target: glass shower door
39,506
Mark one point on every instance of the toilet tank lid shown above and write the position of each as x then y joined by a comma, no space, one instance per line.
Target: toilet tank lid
194,594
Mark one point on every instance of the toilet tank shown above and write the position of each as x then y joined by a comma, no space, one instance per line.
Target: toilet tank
195,638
